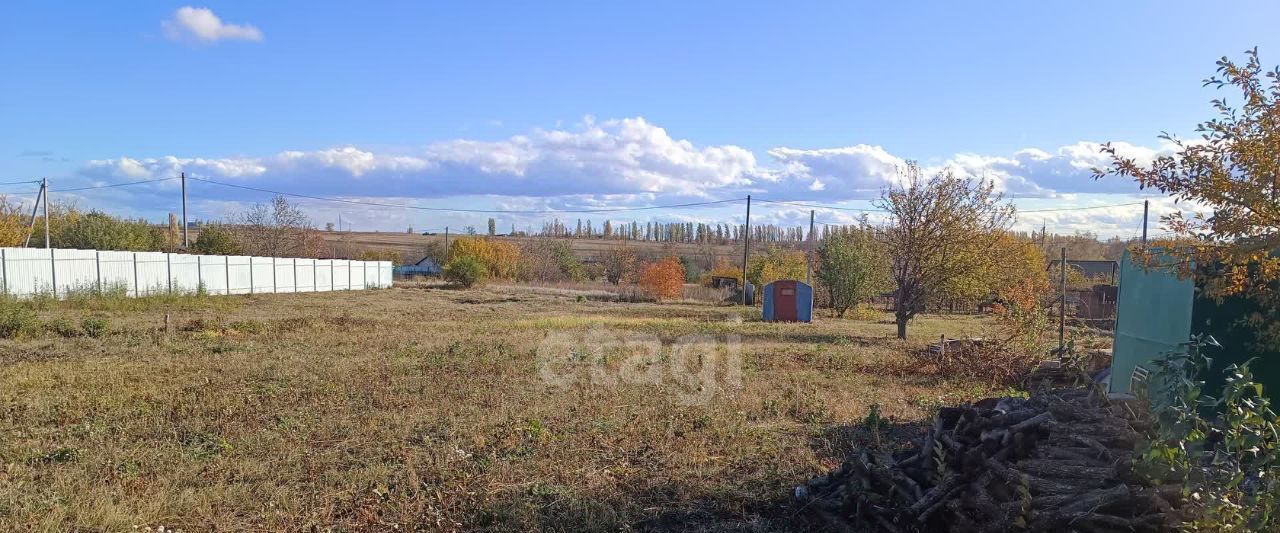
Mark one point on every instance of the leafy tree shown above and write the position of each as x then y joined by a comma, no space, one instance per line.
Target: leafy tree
663,279
722,268
500,259
215,239
465,271
493,227
1232,169
853,267
775,264
619,264
939,229
100,231
14,222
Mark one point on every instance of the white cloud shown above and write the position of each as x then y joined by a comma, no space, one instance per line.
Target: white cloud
634,162
200,24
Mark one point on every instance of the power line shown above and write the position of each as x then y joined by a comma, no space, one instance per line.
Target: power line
460,210
818,206
19,182
110,185
1077,208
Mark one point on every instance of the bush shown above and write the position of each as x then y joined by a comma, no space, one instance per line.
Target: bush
464,271
500,260
215,239
94,326
16,320
550,260
852,267
663,279
777,263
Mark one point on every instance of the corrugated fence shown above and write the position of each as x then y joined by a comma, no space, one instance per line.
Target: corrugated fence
58,271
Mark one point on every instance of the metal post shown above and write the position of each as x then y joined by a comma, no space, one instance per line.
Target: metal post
186,243
808,265
227,265
35,209
4,271
44,185
1145,205
273,267
53,268
97,270
137,291
168,270
1062,305
446,245
746,250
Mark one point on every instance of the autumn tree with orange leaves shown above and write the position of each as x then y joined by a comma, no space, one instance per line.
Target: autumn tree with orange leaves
663,279
1232,169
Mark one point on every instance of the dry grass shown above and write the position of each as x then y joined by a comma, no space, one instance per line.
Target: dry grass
423,408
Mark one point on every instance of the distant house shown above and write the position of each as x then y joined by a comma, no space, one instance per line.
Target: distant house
424,267
1096,270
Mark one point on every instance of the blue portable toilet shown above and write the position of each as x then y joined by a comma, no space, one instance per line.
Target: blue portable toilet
788,301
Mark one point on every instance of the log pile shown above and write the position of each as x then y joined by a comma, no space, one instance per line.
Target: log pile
1058,461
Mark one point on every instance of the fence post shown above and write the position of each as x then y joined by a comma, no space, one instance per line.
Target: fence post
295,274
315,284
331,280
137,291
168,270
200,275
4,270
275,282
348,274
251,274
53,269
227,265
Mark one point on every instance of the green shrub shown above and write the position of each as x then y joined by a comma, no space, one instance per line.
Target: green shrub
16,320
94,326
62,327
464,271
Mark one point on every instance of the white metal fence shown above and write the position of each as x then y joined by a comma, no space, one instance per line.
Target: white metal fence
58,271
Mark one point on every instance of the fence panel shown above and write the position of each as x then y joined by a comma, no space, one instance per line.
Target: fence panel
324,275
213,273
239,274
341,274
304,275
152,270
285,269
184,270
371,274
357,274
115,271
384,276
264,272
75,270
28,271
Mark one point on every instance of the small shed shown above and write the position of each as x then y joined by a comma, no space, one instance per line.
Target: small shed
724,282
788,301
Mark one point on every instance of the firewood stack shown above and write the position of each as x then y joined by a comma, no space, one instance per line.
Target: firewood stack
1059,461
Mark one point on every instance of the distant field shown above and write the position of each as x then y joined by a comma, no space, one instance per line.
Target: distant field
439,410
583,248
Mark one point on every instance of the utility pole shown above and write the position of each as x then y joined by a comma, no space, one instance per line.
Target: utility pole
1145,205
35,209
186,242
446,245
808,266
1062,305
44,187
746,250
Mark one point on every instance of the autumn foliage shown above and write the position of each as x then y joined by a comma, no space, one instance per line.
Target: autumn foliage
501,260
663,279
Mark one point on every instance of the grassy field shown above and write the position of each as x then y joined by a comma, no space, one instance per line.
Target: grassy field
432,409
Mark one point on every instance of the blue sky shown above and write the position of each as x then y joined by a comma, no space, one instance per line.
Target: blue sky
572,104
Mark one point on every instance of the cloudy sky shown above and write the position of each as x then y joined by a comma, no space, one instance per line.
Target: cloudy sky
577,106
